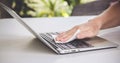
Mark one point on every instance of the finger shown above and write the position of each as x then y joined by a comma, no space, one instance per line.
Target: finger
59,36
64,37
68,35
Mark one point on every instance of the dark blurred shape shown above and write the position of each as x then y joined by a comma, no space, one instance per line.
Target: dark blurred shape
92,8
3,13
20,6
73,2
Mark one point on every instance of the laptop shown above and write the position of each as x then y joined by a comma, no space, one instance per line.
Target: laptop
74,46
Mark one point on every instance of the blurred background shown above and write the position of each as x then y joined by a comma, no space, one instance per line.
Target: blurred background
55,8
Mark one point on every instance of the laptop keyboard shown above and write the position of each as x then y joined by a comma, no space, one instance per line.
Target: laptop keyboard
70,45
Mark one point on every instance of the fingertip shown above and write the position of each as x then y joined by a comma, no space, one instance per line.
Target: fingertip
57,39
80,37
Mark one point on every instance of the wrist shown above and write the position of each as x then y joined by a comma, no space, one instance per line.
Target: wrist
97,21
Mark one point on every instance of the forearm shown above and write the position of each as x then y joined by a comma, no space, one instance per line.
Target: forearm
110,17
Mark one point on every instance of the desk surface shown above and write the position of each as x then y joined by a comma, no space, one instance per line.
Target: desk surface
17,45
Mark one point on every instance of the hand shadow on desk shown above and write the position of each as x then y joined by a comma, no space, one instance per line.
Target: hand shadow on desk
37,46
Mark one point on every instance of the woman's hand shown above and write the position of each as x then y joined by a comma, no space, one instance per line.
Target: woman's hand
87,30
107,19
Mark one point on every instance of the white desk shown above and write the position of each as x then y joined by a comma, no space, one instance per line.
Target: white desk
17,45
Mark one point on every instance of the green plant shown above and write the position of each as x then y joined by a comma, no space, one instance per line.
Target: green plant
45,8
49,8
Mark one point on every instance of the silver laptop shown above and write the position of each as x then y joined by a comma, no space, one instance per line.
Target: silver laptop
74,46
